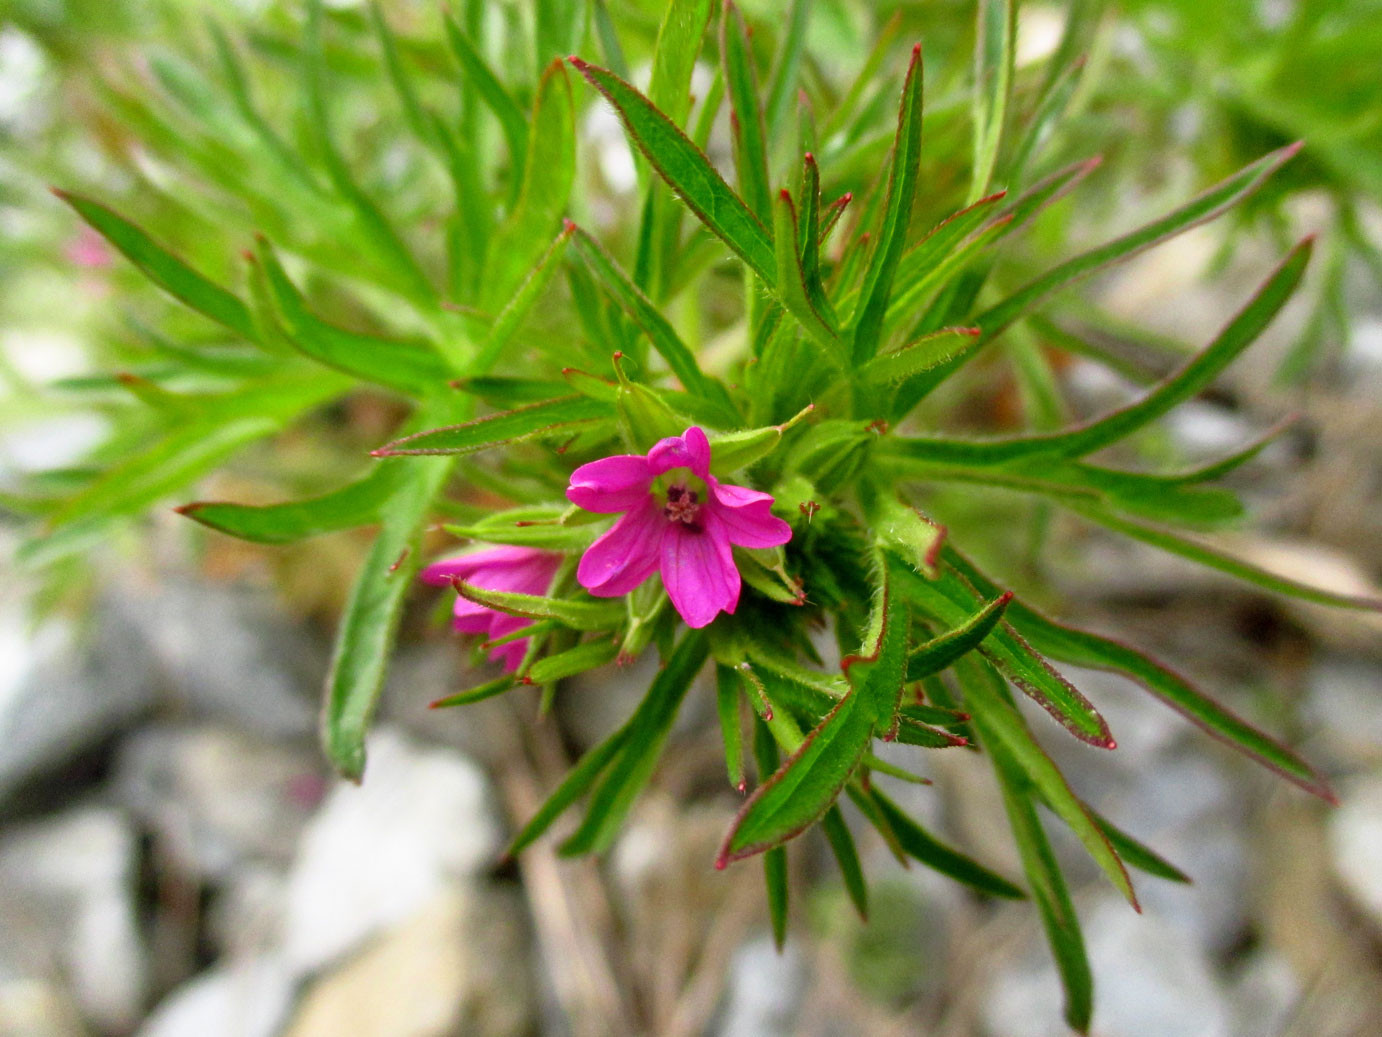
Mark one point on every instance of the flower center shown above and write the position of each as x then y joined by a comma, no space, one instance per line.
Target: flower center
683,505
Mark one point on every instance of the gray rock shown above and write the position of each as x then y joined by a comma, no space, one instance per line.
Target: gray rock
226,652
376,852
36,1008
1150,978
67,904
765,990
65,689
1342,701
242,998
1265,995
217,798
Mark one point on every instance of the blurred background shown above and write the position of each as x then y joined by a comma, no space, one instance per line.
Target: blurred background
176,859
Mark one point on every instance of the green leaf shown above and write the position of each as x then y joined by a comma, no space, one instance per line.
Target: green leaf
413,368
1212,557
842,846
548,177
674,57
995,47
727,709
942,651
364,639
382,248
688,172
775,875
1050,893
1050,109
548,536
902,528
669,89
585,656
920,844
516,310
783,84
809,240
1004,735
510,392
1082,648
878,673
805,786
791,280
163,268
609,39
590,385
1137,855
561,416
921,354
225,422
355,504
950,600
1214,202
914,269
804,690
746,116
1196,375
513,123
658,329
731,451
560,28
487,690
578,615
403,86
911,732
1199,372
766,757
648,729
892,237
572,787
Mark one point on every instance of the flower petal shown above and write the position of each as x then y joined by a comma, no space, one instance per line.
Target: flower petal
626,555
611,484
440,574
746,515
698,570
690,450
511,654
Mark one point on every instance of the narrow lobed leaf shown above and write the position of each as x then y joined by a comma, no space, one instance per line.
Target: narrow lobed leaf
561,416
687,171
892,237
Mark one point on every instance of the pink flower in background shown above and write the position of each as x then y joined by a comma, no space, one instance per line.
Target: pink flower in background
518,570
88,249
678,519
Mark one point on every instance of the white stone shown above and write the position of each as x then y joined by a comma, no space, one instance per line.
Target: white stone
455,966
377,851
1149,979
765,990
1355,839
67,888
244,998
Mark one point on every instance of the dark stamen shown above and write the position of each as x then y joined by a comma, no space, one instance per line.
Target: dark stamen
683,505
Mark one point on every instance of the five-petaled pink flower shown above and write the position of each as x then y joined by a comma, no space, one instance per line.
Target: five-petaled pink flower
678,518
519,570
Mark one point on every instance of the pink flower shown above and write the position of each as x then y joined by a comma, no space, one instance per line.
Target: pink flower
519,570
679,519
